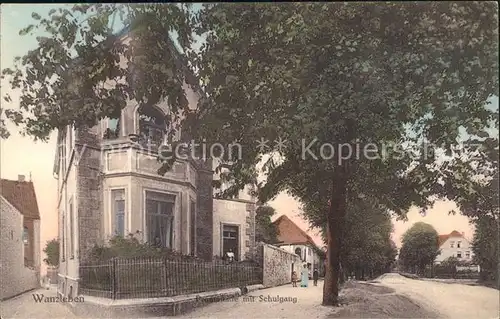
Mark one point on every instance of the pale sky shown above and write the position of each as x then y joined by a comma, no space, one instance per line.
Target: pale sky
20,155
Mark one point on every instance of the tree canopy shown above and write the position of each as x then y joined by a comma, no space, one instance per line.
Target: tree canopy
420,247
62,81
265,229
51,250
352,74
485,246
328,78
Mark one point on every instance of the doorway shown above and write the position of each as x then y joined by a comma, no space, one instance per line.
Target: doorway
230,240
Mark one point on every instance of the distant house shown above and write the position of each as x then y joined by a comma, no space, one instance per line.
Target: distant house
20,238
293,239
456,245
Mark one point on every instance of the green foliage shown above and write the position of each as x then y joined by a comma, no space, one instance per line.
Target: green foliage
366,240
420,246
448,269
355,74
298,74
51,250
265,230
485,246
450,262
61,80
484,203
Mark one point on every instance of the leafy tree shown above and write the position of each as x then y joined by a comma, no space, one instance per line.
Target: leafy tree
51,250
420,247
409,74
352,74
483,210
367,248
265,229
485,199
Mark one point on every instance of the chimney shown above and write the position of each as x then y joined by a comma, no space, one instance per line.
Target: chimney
20,178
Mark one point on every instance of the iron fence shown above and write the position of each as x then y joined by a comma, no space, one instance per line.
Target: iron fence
122,278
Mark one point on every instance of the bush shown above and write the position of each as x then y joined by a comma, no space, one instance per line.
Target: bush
131,247
51,250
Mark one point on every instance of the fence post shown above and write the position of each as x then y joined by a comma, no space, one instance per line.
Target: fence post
113,278
165,278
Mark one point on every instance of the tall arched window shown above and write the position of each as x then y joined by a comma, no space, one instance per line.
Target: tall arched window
298,252
25,235
152,125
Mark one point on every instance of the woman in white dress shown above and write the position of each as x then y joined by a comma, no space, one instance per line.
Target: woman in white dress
304,276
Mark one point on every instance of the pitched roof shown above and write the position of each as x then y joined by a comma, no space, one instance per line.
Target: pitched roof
22,196
290,233
443,238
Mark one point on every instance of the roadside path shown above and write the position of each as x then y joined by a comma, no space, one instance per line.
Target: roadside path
25,306
273,303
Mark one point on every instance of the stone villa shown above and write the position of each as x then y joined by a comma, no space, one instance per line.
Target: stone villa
108,185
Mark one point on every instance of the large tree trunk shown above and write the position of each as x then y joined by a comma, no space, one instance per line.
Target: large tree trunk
335,218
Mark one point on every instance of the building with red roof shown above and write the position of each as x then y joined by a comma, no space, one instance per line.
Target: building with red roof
20,240
292,238
455,245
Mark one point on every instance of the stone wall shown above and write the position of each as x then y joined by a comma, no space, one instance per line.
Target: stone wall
89,189
277,264
250,230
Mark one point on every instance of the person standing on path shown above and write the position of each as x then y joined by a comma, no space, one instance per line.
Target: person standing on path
294,279
315,276
304,276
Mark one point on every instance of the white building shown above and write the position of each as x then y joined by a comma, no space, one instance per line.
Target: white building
20,238
456,245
